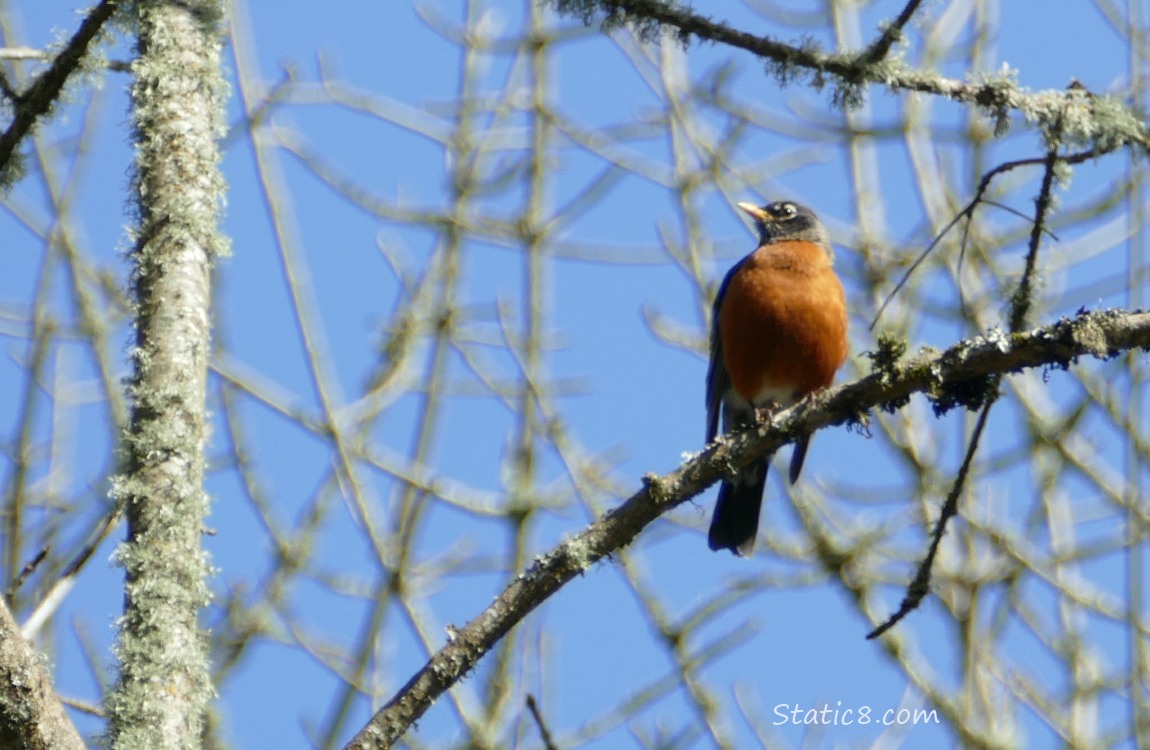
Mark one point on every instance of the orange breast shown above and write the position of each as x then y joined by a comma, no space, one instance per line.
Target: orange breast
783,322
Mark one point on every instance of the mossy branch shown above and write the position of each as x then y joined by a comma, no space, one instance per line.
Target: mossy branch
178,99
31,715
1081,118
1099,334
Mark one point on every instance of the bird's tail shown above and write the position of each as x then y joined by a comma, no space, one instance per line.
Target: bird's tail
735,523
797,458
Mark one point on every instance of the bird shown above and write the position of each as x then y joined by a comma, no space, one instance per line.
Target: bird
778,334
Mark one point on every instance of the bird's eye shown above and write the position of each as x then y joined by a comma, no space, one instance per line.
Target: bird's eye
784,210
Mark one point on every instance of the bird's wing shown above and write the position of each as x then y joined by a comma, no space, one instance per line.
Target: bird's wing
718,379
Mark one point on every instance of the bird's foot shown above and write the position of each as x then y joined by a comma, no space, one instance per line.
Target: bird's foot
766,414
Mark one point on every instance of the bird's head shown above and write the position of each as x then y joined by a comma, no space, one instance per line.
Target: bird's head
786,220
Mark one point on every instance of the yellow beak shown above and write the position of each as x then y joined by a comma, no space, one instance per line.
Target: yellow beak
754,211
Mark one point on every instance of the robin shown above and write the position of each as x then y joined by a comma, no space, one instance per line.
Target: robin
778,333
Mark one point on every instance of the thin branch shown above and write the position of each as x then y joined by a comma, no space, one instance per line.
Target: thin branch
968,213
39,98
1024,298
37,55
920,586
544,732
22,53
890,35
51,600
1020,306
28,569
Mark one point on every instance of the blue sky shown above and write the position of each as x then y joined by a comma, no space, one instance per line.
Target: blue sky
636,402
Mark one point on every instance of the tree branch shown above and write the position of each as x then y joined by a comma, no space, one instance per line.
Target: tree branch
31,715
41,96
939,375
178,103
1101,122
1021,302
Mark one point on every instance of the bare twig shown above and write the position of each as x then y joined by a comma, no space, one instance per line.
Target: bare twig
968,213
1021,303
891,34
920,585
28,569
544,732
